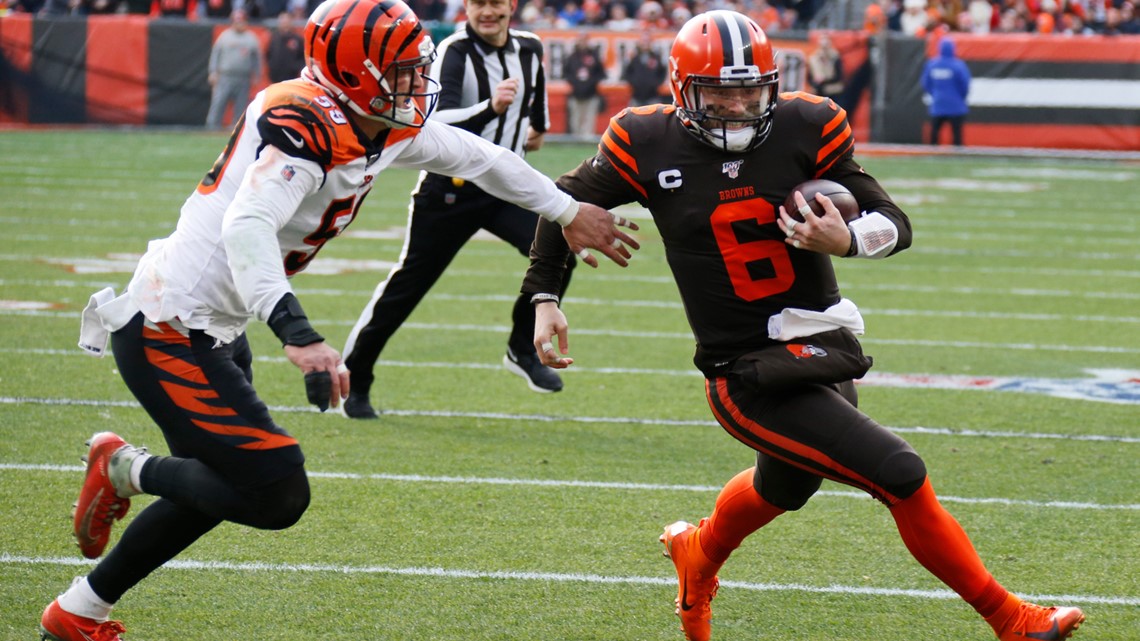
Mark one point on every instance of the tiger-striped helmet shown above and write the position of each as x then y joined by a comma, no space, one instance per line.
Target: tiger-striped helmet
373,55
718,57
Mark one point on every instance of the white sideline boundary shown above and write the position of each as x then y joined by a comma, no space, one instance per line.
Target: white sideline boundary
560,577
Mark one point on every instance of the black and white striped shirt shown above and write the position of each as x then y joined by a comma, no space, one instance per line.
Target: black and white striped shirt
468,69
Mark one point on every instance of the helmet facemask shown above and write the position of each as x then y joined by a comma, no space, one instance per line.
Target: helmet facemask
732,112
410,107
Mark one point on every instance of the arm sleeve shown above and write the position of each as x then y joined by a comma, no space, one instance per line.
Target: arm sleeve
446,150
473,118
264,203
548,256
540,108
450,69
596,181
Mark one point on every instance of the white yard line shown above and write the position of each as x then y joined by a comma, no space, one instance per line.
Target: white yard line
635,487
639,420
557,577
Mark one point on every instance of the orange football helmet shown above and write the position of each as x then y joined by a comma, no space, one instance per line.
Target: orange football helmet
373,55
724,80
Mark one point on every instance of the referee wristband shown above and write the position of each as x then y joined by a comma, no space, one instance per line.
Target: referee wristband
289,323
544,298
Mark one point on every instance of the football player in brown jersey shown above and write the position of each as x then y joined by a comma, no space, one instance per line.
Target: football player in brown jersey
775,340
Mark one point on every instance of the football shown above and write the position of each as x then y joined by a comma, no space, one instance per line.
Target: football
838,194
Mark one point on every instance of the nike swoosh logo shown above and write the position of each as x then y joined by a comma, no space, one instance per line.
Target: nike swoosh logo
685,605
85,522
1048,635
297,142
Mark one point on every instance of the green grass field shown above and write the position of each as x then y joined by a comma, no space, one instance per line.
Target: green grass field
478,510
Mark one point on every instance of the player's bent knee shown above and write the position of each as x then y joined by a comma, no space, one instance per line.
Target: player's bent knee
785,487
283,503
902,473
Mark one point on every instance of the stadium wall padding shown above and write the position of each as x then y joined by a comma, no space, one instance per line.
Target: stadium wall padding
117,83
1047,91
1029,90
59,66
15,67
178,90
900,113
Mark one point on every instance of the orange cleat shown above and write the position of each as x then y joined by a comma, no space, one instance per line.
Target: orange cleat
697,582
59,625
99,506
1032,622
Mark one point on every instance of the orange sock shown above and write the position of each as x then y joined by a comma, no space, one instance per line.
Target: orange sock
739,511
939,543
1004,613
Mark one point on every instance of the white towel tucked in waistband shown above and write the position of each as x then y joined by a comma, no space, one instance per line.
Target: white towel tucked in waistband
794,323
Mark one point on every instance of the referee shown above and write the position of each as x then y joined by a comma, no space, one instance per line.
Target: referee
493,85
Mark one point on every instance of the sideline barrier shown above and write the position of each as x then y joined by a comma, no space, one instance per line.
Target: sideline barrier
119,69
1080,92
1059,92
136,70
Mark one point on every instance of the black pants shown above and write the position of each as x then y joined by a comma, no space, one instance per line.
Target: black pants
229,461
955,122
805,433
444,217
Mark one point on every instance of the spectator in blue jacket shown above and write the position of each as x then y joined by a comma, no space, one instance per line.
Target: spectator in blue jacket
946,83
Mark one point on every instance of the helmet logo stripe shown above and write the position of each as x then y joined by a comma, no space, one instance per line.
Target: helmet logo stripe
389,33
734,40
726,47
374,15
746,42
412,36
336,30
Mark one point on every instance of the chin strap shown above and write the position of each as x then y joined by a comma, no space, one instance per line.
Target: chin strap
734,140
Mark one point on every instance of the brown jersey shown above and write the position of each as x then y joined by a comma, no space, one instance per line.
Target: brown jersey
716,212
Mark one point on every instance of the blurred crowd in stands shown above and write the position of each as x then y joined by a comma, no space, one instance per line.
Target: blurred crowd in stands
257,10
1057,17
912,17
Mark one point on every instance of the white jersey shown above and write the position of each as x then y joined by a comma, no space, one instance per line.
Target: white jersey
293,177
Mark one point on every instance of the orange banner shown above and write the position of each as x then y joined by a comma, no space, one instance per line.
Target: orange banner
117,70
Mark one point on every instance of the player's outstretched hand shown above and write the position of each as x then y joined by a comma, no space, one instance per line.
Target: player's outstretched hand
599,229
326,377
550,324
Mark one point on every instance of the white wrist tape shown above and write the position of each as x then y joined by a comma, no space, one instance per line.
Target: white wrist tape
875,234
567,215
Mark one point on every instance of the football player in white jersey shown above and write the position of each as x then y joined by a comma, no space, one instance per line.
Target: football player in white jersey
299,164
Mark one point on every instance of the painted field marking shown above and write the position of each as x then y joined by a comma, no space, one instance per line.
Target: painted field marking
621,420
636,487
557,577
